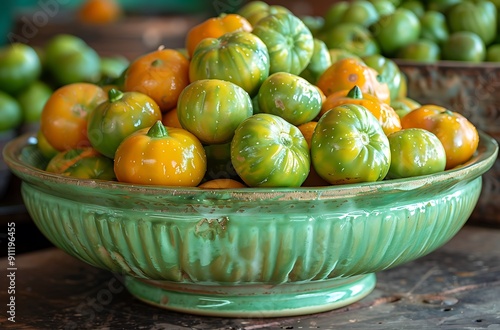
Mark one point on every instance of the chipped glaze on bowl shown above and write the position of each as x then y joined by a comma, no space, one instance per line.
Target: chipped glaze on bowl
249,252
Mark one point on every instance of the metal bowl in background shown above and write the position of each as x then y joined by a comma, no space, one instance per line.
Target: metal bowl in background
473,90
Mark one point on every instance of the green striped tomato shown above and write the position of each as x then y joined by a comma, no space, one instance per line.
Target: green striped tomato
211,109
349,145
268,151
289,41
239,57
415,151
291,97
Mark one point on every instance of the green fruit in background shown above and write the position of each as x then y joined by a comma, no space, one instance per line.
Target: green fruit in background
62,44
388,70
441,6
32,100
434,26
313,23
112,67
383,7
396,30
464,46
361,12
417,7
479,17
337,54
19,67
77,66
319,62
10,112
69,59
333,15
493,53
421,50
352,38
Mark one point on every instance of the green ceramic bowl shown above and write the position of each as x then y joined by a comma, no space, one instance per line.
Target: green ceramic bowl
249,252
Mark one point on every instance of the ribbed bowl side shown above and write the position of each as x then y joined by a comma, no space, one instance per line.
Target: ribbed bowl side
310,243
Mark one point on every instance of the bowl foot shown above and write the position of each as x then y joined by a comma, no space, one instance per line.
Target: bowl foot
253,301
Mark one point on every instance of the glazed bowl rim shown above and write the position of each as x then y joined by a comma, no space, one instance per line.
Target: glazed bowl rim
481,162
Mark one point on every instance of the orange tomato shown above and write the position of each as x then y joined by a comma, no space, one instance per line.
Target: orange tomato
313,179
346,73
99,11
457,134
170,118
221,184
307,130
63,120
161,155
161,74
215,27
386,115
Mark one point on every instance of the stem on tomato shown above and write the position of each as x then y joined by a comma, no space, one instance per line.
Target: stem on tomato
156,63
355,93
114,95
157,130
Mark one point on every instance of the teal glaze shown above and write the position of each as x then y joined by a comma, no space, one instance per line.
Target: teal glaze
254,300
236,239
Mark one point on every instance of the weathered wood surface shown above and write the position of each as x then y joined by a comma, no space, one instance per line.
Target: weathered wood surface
455,287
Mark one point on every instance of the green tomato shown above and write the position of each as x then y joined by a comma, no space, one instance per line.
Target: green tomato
421,50
254,11
479,17
291,97
76,66
239,57
32,100
334,13
211,109
441,6
396,30
82,163
352,38
337,54
111,68
19,67
268,151
62,44
464,46
120,115
388,70
414,152
313,23
46,149
361,12
288,40
10,112
383,7
320,61
493,53
434,26
416,6
349,146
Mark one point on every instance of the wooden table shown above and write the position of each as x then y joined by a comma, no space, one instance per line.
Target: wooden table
455,287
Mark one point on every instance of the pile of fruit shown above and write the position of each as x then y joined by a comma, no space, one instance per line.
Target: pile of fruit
29,75
426,31
254,100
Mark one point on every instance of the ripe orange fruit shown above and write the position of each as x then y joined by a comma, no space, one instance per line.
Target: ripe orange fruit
161,74
99,11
